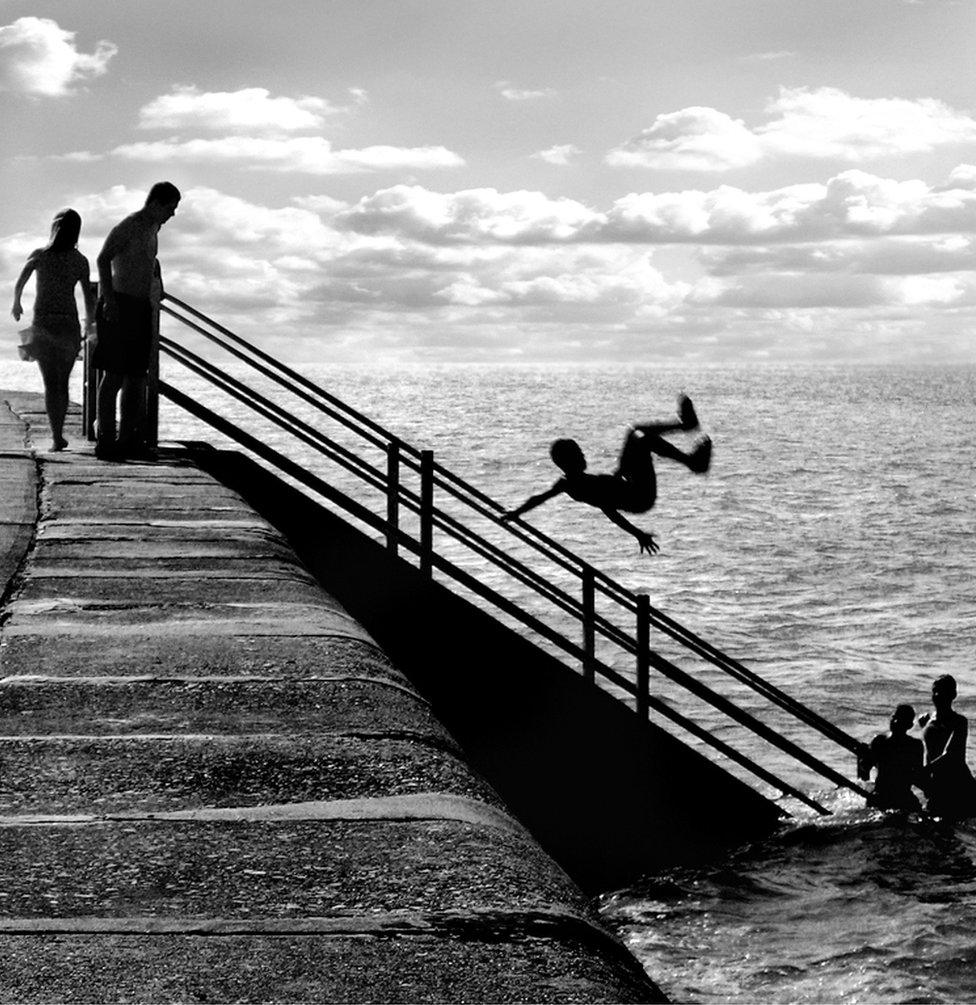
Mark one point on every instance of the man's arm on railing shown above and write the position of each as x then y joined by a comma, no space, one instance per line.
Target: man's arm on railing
536,500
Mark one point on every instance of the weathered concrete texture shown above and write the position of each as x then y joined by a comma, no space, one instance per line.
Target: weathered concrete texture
106,706
215,786
18,500
409,964
152,773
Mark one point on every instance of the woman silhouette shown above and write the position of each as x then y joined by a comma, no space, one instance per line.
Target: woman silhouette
55,337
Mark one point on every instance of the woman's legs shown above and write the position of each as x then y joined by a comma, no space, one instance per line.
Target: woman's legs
55,371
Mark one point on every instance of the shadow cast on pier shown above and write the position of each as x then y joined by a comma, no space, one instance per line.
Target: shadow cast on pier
608,797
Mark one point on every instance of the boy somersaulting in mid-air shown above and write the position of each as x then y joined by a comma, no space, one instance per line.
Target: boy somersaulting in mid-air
632,488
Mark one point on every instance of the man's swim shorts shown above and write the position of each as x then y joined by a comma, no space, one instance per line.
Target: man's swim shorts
123,343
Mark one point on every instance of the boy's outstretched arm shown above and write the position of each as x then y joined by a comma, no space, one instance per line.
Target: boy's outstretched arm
644,537
533,501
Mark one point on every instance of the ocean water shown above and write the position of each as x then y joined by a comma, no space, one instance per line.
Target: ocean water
829,548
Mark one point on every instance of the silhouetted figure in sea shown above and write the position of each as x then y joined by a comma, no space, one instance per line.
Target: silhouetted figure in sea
950,786
899,760
632,488
55,335
130,288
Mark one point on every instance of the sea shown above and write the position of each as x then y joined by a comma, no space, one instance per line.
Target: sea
829,548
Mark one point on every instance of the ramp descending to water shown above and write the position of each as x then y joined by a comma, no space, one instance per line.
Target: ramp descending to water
452,532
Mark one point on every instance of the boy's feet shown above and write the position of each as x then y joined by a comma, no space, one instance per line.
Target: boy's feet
700,457
686,412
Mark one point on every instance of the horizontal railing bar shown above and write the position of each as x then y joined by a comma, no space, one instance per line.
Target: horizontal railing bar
531,535
367,516
266,372
275,413
479,588
749,677
733,755
614,589
292,374
748,720
799,711
256,446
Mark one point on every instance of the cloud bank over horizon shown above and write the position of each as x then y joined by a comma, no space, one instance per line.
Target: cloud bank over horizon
797,222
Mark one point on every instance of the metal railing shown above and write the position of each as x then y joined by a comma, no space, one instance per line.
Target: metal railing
423,503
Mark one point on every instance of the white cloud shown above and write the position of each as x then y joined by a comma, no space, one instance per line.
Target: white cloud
560,155
692,139
886,256
828,123
247,110
512,93
405,286
853,204
37,56
473,215
301,154
769,57
820,123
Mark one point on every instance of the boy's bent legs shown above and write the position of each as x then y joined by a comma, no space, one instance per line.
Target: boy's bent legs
696,460
636,470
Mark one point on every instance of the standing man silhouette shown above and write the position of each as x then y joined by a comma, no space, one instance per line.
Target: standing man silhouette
130,287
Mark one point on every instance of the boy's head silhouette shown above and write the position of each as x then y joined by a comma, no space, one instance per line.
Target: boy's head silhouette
944,691
568,455
902,719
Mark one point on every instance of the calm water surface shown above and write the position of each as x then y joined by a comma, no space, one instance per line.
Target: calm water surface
829,548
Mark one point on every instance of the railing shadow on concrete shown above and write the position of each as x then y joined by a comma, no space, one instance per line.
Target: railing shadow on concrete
413,521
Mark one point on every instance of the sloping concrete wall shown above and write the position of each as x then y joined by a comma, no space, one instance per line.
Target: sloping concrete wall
216,786
609,798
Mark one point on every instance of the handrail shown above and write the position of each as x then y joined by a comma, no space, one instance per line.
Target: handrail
433,475
300,474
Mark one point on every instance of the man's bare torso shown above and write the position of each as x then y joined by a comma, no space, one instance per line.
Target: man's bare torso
134,263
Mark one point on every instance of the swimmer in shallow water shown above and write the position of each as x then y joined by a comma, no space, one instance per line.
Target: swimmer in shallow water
899,762
950,786
632,488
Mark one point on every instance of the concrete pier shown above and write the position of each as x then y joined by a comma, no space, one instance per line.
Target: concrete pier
215,786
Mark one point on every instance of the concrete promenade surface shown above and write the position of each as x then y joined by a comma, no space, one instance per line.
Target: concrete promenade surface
214,786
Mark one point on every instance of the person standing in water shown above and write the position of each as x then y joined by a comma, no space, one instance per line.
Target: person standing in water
632,488
55,338
950,786
129,287
898,759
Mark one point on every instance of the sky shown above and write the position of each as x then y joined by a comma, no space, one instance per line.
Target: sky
427,181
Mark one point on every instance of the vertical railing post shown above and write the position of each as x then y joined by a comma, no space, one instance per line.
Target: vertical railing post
427,512
150,427
392,496
643,653
89,383
589,627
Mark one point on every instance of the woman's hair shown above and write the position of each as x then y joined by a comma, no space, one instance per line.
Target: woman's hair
64,231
